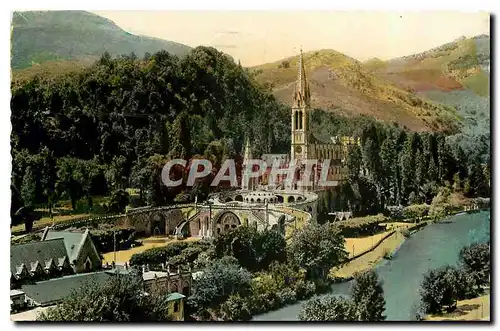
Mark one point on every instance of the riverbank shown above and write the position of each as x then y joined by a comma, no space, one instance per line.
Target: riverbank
477,309
385,246
369,260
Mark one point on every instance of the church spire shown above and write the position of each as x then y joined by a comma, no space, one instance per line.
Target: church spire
302,95
248,151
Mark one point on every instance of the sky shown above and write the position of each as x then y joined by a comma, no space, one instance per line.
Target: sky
257,37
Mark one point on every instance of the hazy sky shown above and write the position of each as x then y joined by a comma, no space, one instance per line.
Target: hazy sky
256,37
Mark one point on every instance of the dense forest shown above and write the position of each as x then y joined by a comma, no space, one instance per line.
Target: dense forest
113,126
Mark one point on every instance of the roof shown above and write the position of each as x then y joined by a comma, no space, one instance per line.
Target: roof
72,241
151,275
15,292
54,290
175,296
39,251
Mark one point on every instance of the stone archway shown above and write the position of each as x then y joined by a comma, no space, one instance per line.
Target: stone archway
291,199
239,197
157,224
226,221
174,219
280,198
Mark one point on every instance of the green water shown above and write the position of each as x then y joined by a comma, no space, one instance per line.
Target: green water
433,246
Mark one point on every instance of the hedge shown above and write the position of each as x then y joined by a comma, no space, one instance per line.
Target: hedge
158,255
362,226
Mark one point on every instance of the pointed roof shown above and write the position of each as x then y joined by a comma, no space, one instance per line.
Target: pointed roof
302,94
73,241
38,251
248,151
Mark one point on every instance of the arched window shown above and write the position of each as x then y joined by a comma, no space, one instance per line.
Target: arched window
88,264
296,120
176,307
301,125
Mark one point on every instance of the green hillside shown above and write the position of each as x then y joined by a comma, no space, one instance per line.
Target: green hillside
44,36
344,85
461,64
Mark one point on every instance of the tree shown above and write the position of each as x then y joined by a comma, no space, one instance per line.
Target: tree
443,287
120,299
476,261
478,186
235,308
328,308
407,164
119,200
66,183
388,156
218,282
368,296
317,248
254,250
354,163
28,190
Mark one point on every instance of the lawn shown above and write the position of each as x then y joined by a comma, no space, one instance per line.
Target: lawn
44,221
369,260
358,245
467,310
147,243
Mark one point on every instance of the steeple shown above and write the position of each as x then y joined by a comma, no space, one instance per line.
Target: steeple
301,96
247,183
248,152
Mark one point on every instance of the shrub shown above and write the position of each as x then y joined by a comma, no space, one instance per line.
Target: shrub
476,261
443,287
177,252
310,289
416,211
362,226
217,283
328,308
235,308
105,239
368,296
287,296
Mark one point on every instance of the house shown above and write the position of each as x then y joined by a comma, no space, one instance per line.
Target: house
58,253
81,251
167,281
38,260
17,300
53,291
176,306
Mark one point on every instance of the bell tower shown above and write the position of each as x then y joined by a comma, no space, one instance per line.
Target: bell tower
300,114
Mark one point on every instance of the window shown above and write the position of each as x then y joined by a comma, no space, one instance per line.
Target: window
176,307
88,264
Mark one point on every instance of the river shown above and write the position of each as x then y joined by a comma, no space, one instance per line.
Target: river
433,246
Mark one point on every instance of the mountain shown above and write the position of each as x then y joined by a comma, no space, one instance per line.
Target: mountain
461,64
48,36
344,85
456,74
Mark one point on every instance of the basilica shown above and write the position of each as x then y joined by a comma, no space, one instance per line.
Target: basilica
305,145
